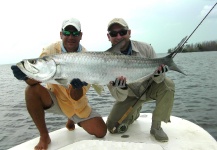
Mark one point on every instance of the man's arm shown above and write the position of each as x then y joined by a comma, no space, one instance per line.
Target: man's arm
76,94
31,82
159,74
148,52
118,88
118,93
76,90
22,76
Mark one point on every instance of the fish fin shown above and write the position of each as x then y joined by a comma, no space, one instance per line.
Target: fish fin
116,48
178,48
98,88
62,81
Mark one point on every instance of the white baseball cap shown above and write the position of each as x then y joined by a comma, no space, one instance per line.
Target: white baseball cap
73,22
120,21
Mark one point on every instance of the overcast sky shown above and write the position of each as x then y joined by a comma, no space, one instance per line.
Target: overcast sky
27,26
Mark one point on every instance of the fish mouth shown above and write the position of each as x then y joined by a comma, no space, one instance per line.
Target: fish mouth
28,66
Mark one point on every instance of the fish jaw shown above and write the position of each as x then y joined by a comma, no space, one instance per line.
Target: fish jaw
40,69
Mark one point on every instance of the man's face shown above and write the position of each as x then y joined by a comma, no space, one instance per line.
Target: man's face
117,33
71,38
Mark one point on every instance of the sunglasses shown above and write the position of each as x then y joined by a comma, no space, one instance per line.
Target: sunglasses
115,33
73,33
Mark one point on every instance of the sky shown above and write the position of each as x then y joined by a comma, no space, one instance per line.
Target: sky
27,26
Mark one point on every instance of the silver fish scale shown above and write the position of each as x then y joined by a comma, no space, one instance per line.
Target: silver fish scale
95,67
102,67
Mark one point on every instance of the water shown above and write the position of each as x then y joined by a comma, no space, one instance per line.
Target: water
195,100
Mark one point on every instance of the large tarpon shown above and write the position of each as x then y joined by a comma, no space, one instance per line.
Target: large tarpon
94,67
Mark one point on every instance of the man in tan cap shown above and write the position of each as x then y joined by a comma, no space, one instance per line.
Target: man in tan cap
157,87
69,101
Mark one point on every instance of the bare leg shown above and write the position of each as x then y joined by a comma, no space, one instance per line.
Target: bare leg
70,125
95,126
38,98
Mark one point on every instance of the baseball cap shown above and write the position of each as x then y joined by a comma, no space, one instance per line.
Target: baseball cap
73,22
120,21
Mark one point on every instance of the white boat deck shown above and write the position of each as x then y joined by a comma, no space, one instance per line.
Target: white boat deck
183,135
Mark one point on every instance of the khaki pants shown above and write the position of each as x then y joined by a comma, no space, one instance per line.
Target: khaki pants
162,93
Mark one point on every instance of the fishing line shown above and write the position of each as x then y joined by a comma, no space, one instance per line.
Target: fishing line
194,30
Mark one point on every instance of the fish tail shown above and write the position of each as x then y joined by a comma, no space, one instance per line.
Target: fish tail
171,65
174,67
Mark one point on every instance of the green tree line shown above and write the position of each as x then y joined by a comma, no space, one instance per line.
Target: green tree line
199,47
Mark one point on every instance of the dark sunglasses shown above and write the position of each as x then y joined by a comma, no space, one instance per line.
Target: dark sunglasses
73,33
115,33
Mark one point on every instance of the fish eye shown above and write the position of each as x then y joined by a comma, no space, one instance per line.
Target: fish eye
33,61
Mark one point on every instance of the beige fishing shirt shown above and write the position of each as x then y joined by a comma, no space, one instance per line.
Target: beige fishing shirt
139,49
68,105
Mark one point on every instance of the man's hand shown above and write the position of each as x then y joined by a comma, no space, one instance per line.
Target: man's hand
161,69
18,73
119,82
77,83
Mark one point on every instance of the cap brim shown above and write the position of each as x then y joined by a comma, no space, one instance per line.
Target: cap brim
71,24
123,25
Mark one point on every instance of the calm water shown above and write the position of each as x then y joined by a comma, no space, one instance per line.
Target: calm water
195,100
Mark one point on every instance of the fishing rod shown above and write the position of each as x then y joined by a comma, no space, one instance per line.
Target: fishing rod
130,108
180,45
192,32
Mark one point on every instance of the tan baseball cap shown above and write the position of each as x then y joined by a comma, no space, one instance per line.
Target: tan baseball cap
73,22
120,21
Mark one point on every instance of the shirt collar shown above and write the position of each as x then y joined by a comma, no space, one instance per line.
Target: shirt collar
64,50
133,47
129,49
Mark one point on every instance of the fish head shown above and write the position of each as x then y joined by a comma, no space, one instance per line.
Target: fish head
40,69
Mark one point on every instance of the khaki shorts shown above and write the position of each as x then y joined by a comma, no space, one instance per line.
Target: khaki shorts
55,108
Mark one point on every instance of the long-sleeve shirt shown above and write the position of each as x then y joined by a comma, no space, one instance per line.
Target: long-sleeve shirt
68,105
139,49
